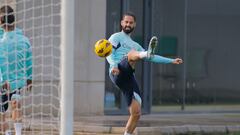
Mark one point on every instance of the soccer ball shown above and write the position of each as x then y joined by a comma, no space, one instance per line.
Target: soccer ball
103,48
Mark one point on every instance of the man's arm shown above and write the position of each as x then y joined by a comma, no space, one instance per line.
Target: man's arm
165,60
29,66
112,58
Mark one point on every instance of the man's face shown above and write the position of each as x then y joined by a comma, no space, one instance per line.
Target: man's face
128,24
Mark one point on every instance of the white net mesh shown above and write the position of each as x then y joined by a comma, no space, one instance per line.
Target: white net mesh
40,22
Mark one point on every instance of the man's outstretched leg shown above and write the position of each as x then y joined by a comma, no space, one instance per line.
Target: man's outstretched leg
135,113
134,56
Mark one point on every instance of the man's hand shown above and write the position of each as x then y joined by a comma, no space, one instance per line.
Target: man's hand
6,86
29,85
115,71
177,61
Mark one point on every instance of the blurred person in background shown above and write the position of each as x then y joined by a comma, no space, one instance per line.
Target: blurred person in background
15,66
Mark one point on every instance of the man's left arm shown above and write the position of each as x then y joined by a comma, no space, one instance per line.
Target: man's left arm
29,65
164,60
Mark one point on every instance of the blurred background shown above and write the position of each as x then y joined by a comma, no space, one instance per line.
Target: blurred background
204,33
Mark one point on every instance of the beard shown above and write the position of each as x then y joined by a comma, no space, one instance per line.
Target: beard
128,30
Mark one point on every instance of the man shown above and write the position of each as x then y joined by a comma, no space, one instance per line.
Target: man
15,65
125,54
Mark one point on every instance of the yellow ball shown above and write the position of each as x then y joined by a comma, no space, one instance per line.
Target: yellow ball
103,48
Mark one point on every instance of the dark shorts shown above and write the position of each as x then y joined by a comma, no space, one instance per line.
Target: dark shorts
126,81
5,99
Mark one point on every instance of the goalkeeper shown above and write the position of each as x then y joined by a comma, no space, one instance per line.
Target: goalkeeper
125,55
16,65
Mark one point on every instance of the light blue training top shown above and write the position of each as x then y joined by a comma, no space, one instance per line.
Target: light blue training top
122,44
15,59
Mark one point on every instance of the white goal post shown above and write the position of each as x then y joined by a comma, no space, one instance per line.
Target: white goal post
67,47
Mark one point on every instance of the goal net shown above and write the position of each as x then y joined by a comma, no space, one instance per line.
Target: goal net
39,21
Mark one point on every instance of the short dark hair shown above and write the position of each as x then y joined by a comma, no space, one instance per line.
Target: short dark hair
8,15
129,13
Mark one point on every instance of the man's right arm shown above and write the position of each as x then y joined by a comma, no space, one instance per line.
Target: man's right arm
112,58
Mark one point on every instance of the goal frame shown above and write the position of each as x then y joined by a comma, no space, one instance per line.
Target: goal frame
67,69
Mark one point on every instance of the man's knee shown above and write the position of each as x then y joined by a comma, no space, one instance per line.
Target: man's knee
15,104
136,115
135,109
133,55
